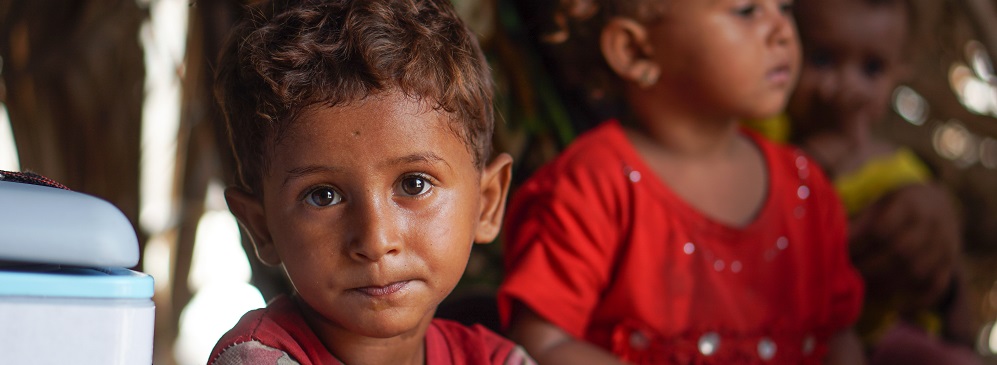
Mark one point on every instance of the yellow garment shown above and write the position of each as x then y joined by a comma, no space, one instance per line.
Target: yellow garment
776,129
858,190
878,177
873,180
877,319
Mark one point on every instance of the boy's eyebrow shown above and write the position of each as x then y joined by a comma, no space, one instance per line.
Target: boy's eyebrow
425,157
305,170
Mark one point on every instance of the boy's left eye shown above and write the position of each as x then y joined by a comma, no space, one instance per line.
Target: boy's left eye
323,196
414,185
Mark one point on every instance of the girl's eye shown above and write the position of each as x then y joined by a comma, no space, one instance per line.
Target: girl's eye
746,11
786,8
820,59
415,185
323,197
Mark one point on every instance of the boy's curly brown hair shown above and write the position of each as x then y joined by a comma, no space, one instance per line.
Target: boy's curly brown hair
286,56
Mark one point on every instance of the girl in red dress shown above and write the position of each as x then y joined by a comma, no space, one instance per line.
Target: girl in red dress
668,234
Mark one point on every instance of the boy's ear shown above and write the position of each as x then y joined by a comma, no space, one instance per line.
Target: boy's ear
625,46
248,210
495,181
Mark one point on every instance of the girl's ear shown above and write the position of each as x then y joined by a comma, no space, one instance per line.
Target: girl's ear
248,210
625,46
495,181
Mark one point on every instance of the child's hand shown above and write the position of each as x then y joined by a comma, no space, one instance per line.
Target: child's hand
908,241
550,345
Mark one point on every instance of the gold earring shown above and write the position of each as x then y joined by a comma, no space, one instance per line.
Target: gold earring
647,79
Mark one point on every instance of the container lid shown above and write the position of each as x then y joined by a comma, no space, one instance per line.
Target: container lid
74,282
46,225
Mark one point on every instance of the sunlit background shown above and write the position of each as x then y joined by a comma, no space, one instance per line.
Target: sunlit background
220,270
8,150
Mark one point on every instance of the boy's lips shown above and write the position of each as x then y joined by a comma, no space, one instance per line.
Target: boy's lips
382,291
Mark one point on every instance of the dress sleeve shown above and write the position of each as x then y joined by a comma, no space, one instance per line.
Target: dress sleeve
252,353
561,240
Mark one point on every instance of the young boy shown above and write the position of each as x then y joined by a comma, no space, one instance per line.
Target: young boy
362,131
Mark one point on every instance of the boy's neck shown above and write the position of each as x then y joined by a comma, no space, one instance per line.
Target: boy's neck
355,349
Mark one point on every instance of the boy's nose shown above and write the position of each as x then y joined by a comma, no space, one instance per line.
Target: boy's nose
375,232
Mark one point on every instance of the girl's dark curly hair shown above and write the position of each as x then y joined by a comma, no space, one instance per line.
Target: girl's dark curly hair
286,56
567,33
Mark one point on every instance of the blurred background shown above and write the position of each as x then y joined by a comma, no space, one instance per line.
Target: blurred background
112,98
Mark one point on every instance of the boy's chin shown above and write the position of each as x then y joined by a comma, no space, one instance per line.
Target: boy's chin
384,325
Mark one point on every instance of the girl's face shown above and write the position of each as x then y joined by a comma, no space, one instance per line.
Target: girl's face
735,58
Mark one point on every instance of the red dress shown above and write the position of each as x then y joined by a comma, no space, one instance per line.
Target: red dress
599,246
278,335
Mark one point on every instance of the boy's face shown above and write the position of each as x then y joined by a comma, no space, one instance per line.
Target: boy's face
733,57
853,59
372,209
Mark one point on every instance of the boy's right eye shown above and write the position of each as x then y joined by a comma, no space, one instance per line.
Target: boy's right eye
323,196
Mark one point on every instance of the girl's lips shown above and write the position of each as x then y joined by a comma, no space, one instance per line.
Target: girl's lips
779,75
381,291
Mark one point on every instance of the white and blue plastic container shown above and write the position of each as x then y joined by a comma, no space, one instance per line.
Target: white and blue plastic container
66,296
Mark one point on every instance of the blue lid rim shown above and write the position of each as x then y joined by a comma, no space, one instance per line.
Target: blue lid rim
75,282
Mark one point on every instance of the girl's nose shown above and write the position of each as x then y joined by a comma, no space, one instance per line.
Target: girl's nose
783,31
